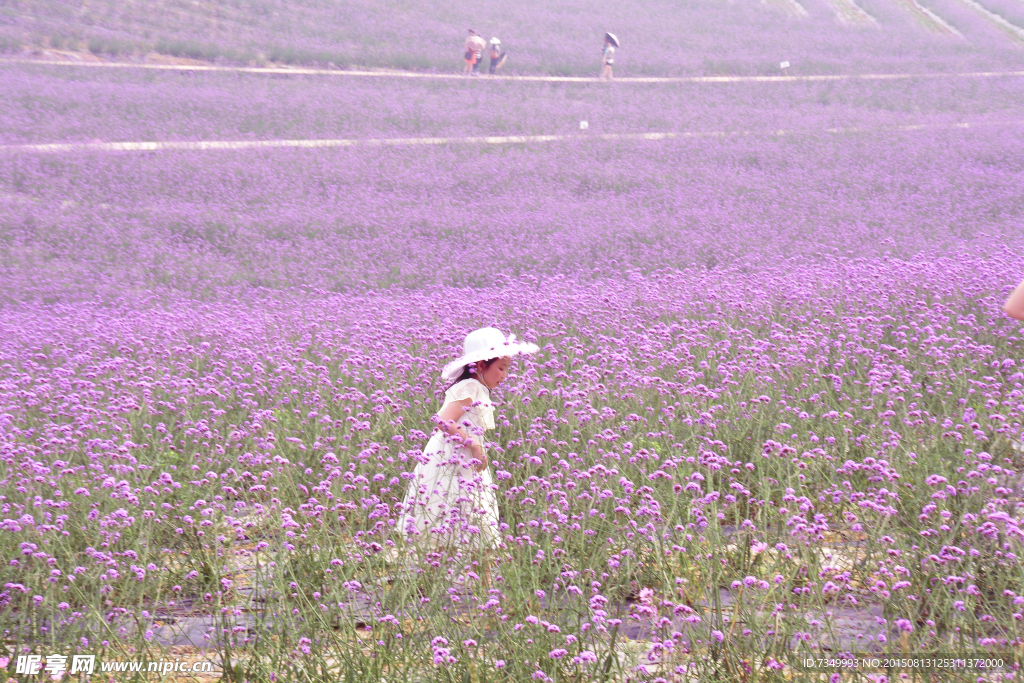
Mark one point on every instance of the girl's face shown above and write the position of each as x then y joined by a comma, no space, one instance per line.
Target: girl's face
495,372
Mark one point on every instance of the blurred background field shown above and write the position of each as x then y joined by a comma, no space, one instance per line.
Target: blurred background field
210,224
660,38
772,170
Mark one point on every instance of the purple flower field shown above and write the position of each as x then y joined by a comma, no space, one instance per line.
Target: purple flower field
71,105
777,409
660,38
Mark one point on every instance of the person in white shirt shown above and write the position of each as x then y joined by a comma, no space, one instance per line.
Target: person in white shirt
608,56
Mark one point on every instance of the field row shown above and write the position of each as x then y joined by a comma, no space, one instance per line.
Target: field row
64,104
208,224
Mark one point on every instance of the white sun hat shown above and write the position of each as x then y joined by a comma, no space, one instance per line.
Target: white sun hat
495,41
485,344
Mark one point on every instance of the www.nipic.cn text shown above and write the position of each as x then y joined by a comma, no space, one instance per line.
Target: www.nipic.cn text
59,664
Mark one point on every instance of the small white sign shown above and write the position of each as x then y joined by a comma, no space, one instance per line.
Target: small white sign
584,125
783,65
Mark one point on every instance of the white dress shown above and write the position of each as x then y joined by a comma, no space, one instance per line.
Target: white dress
448,504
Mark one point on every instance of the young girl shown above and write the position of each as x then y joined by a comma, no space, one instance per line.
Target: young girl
450,501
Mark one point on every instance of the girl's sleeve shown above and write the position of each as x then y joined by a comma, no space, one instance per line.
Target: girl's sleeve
466,389
476,392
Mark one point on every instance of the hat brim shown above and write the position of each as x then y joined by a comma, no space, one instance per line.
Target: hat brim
614,40
455,368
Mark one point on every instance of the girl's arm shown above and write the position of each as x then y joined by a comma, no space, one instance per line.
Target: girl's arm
449,420
1014,306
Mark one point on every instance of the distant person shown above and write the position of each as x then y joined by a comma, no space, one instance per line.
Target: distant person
497,55
474,51
608,56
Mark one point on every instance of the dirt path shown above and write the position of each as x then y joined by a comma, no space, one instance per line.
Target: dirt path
302,71
930,19
1014,30
216,145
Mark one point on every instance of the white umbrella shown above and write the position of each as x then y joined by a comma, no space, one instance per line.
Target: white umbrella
612,38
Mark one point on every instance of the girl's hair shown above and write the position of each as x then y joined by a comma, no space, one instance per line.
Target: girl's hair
467,373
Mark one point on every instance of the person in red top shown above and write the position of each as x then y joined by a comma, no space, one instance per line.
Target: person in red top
474,50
